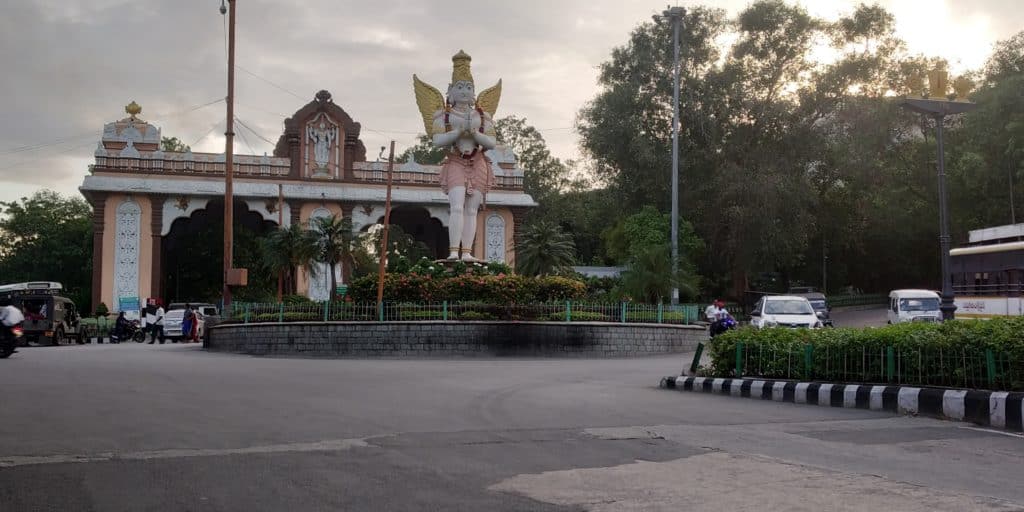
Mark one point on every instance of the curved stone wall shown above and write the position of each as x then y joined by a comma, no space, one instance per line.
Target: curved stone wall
455,339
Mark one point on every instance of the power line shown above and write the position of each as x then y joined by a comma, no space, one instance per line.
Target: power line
265,111
245,140
254,132
207,134
57,142
40,157
267,80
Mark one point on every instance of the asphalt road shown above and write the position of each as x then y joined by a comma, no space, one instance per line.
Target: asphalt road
171,428
859,317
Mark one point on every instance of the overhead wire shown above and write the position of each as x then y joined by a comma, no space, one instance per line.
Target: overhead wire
59,141
207,134
40,157
244,139
254,132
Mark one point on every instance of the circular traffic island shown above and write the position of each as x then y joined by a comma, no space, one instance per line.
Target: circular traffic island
455,339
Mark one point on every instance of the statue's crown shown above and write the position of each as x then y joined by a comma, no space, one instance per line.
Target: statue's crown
460,67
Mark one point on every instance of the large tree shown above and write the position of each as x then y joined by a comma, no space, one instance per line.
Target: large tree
48,237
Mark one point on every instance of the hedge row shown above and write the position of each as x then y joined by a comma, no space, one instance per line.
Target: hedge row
497,289
975,353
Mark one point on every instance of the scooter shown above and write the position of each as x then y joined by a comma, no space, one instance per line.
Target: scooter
9,340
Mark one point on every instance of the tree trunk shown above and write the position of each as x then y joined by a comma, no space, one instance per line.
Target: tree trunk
334,281
739,284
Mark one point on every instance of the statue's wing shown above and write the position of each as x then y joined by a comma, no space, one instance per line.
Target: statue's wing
429,100
488,99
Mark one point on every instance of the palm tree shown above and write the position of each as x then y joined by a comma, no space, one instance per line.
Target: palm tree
650,277
335,239
543,249
286,249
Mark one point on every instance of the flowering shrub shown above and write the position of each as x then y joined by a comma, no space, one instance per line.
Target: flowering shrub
462,282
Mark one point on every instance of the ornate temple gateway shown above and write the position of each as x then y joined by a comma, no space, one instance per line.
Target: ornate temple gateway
150,206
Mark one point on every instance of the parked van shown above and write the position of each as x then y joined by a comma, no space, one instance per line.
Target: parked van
914,306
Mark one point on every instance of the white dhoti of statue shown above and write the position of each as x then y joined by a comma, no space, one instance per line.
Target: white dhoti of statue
463,124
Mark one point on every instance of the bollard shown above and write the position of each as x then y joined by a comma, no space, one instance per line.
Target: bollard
696,359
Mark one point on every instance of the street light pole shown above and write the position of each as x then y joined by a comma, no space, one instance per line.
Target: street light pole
947,307
676,15
938,106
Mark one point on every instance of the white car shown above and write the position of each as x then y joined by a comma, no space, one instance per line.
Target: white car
172,324
784,311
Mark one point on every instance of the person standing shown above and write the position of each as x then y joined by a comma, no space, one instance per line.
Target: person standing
188,318
155,322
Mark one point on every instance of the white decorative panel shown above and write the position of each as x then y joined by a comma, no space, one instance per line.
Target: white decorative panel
263,207
440,213
180,208
363,216
494,238
126,251
320,284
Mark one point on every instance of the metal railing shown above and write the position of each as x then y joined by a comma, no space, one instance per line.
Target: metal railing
568,311
989,290
965,367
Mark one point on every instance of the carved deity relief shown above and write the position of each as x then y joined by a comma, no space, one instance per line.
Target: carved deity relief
322,141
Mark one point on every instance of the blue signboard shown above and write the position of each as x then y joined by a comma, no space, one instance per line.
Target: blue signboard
128,304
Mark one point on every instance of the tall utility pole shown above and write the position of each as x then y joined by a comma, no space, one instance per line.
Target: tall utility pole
675,15
384,236
229,159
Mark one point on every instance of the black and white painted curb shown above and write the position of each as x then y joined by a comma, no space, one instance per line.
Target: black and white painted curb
998,409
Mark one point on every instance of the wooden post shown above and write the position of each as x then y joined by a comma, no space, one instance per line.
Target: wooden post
384,236
280,225
229,158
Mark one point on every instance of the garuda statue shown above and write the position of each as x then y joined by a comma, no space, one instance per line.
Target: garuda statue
462,123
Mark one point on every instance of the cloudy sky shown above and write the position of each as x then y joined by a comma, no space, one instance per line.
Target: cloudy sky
69,66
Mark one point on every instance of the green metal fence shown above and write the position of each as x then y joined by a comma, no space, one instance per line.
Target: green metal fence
569,311
951,367
840,301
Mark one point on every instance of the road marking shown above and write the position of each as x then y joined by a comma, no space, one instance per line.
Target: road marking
10,461
1000,432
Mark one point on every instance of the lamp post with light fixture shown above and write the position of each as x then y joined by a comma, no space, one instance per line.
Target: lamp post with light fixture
936,104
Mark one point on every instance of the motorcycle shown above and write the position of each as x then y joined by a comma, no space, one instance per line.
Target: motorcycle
722,326
133,332
9,340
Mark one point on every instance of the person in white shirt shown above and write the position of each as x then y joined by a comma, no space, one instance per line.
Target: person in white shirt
716,314
10,315
155,322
